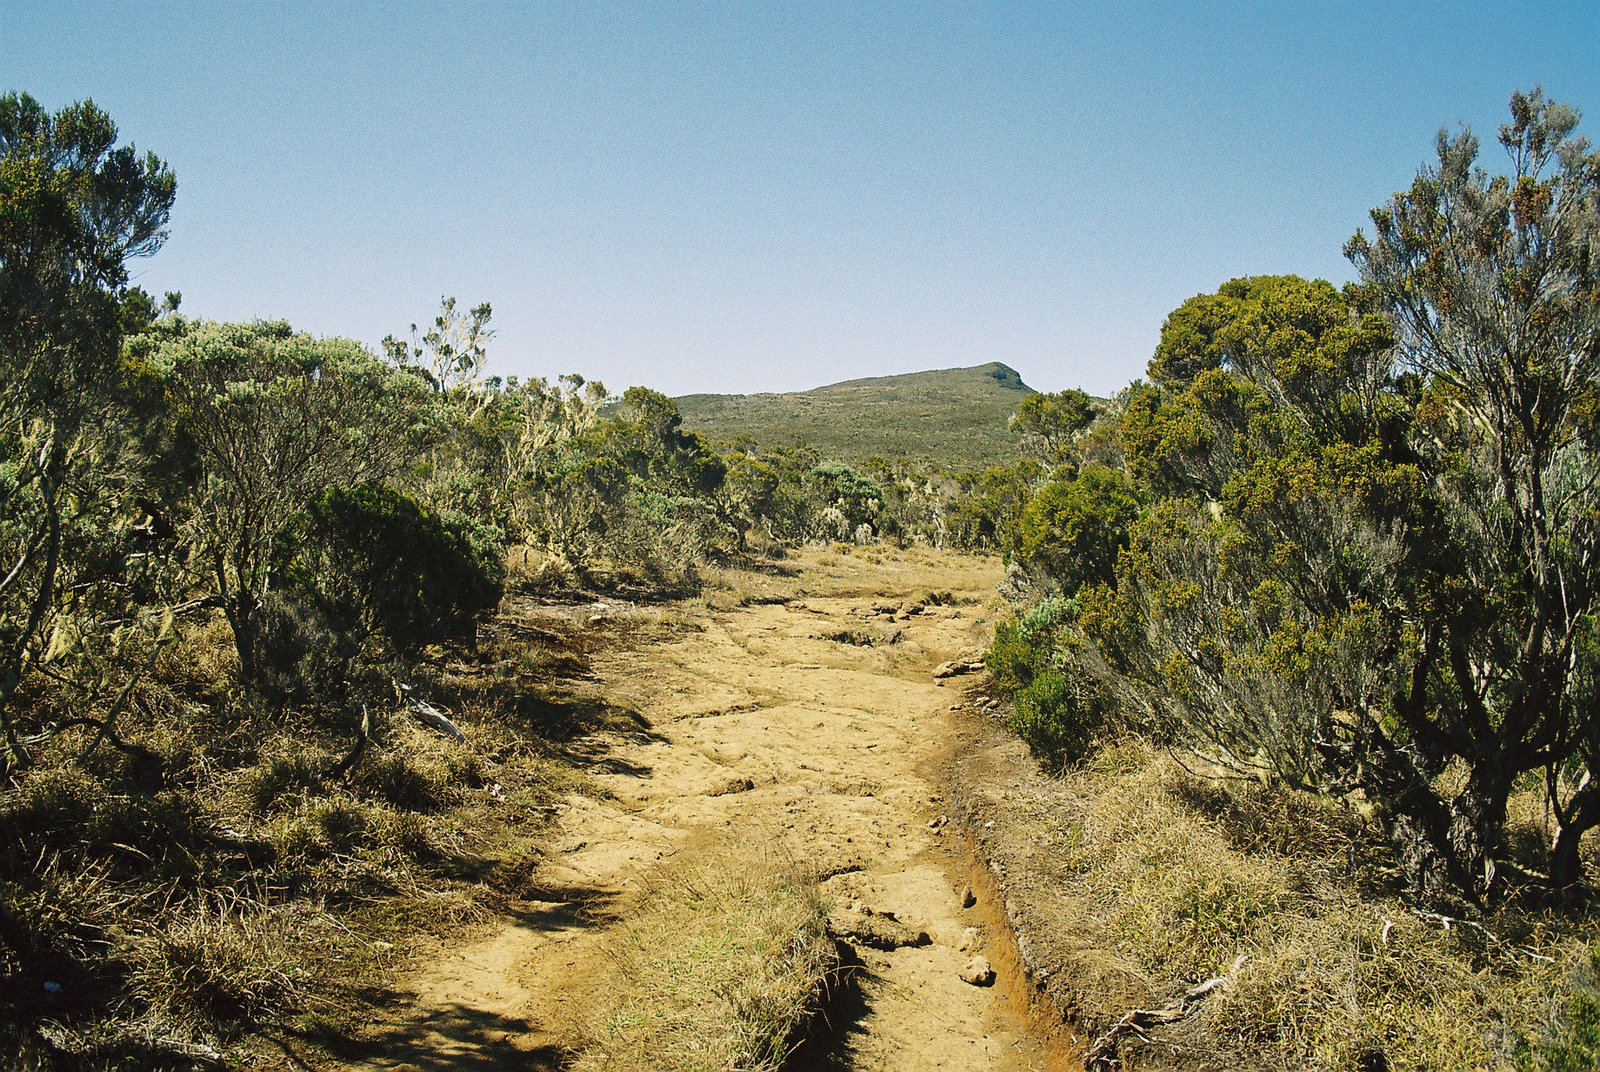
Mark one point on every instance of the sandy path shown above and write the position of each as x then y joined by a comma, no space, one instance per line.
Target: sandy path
768,731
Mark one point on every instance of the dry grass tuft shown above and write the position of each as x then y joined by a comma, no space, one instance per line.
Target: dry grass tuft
720,971
226,967
225,874
1177,876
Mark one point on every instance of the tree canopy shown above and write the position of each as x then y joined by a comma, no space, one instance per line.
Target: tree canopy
74,208
1370,555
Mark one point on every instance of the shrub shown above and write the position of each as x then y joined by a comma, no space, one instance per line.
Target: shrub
381,563
1071,531
265,785
404,779
302,654
1013,661
1060,713
1024,647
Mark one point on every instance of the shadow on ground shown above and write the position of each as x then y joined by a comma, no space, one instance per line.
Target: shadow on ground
452,1038
830,1039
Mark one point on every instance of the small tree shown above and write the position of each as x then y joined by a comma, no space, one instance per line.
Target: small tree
986,504
273,419
452,353
73,210
1071,531
1493,283
1050,424
1379,556
854,498
389,576
767,490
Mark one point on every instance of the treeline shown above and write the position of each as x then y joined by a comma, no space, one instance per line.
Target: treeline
789,496
231,557
1348,540
339,508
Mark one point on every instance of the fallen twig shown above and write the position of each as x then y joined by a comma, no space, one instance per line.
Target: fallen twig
433,716
1447,922
357,750
168,1051
429,714
1102,1056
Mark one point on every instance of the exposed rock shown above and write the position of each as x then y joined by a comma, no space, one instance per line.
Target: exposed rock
968,898
977,972
970,937
863,638
958,666
875,930
738,785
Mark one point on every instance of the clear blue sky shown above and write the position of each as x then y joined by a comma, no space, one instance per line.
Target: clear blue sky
773,196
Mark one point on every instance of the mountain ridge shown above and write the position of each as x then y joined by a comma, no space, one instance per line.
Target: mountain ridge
954,418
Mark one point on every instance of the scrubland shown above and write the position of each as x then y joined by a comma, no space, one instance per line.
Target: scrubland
1137,875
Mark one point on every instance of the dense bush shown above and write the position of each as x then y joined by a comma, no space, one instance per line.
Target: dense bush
1370,559
984,506
383,564
1059,709
1072,529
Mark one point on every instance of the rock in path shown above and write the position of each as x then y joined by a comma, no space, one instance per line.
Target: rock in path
977,972
876,930
958,666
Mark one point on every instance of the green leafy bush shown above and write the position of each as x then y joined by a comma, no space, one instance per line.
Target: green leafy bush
1060,713
380,563
1058,707
1024,647
1071,531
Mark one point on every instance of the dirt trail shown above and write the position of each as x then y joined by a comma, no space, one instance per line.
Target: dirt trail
805,721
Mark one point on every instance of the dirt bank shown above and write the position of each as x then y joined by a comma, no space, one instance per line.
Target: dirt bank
795,715
1016,818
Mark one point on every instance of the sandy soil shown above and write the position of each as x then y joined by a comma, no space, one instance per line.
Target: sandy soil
795,715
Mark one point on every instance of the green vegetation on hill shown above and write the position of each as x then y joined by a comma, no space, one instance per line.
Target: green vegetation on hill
954,418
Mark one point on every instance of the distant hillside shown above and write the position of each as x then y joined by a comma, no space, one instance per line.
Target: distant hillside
955,418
